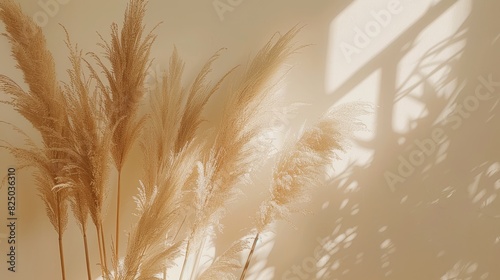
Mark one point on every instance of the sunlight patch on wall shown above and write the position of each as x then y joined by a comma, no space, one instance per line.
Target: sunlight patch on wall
362,31
426,79
366,91
327,263
483,191
464,270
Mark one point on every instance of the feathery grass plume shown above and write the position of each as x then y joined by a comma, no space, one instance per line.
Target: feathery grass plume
225,265
89,161
173,122
45,179
148,251
245,118
174,117
302,165
162,124
45,175
43,106
87,165
128,54
199,94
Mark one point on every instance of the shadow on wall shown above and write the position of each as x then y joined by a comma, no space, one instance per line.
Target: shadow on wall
425,206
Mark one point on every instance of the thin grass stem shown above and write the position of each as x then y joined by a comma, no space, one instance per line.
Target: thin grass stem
60,234
198,257
103,240
87,259
247,264
185,260
117,229
101,255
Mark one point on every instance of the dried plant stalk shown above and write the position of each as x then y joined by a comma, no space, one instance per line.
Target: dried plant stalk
170,133
234,152
162,125
43,105
128,54
175,115
147,250
226,264
252,250
200,93
174,119
301,165
87,165
245,117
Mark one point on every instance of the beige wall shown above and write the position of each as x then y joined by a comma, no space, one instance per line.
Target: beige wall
417,63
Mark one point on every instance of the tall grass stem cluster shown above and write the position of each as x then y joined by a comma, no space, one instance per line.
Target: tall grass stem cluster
90,121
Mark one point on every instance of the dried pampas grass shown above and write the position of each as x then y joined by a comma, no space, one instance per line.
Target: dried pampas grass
175,115
148,251
43,105
234,151
93,120
128,56
246,116
87,165
301,165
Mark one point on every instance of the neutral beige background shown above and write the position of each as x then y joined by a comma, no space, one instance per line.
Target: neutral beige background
442,222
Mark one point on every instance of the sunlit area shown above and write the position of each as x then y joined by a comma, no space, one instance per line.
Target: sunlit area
412,60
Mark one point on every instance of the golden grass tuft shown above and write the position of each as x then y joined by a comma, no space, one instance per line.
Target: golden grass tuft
88,162
148,251
234,151
86,168
43,105
128,56
246,116
301,165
